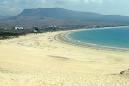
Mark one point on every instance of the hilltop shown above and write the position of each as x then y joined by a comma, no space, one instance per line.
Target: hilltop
62,17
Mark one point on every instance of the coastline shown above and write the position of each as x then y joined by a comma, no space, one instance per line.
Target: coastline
64,37
44,59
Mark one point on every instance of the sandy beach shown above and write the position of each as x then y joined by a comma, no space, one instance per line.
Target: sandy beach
45,60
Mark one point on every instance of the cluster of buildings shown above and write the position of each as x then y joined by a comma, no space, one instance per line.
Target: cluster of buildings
35,29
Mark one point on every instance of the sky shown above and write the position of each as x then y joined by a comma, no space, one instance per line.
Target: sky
107,7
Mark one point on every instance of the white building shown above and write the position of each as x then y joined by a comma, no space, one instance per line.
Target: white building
18,28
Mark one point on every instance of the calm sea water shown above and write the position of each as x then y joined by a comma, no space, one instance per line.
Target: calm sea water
117,37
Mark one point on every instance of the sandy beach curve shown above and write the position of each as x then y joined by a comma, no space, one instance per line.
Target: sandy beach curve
46,60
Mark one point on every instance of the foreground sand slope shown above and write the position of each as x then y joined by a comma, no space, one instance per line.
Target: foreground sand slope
40,60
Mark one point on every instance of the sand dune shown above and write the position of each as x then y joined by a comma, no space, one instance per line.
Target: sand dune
40,60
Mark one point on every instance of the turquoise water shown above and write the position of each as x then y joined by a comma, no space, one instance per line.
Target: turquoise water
117,37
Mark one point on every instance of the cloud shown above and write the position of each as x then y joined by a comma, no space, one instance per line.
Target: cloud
93,1
13,7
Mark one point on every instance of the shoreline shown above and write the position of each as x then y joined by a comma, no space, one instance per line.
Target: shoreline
64,37
42,59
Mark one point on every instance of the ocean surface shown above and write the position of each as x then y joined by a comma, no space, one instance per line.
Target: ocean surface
111,37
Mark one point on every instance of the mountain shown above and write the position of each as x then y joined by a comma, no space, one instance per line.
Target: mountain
3,17
61,16
58,13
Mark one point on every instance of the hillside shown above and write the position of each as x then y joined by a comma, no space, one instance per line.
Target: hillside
62,17
3,17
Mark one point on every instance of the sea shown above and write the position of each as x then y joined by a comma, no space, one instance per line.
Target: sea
109,37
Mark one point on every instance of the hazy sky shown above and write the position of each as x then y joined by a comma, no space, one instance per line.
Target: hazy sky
113,7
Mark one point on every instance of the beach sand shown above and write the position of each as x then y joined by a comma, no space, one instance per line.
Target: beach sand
45,60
